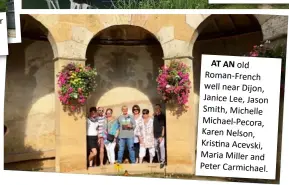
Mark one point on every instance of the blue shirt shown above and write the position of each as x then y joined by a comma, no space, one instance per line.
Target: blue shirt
111,127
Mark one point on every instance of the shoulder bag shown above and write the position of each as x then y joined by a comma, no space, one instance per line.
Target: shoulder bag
110,137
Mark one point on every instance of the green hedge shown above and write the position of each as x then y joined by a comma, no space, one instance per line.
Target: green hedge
3,6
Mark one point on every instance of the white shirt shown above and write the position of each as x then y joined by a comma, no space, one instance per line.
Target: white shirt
91,128
137,122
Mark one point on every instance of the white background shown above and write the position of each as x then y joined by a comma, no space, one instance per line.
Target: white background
3,35
269,70
43,178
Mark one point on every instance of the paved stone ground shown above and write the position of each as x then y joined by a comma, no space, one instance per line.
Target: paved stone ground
137,170
148,175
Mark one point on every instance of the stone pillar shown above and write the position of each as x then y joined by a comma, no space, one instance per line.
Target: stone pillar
70,131
181,134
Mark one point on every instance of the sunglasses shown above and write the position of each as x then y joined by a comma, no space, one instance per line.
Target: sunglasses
145,113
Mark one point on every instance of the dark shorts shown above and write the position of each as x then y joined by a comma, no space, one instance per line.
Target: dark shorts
92,142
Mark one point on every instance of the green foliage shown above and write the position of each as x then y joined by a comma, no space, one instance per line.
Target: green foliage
183,4
3,7
174,4
267,50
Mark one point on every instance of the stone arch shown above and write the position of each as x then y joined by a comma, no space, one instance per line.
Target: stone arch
231,27
206,33
107,24
127,59
202,21
222,35
119,37
172,32
44,28
29,96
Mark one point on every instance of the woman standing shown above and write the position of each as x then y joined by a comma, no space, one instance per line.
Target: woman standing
146,135
138,120
111,134
92,140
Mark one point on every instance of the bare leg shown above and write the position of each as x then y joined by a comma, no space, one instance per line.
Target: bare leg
101,154
91,156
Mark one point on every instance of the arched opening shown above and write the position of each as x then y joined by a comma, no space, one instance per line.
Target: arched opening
127,59
29,100
224,35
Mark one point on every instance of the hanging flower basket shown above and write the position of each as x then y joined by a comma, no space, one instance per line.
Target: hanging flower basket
266,50
76,83
174,84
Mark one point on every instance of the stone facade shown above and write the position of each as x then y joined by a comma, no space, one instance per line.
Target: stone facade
40,129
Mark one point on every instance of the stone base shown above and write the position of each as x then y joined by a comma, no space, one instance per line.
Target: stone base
145,170
140,169
32,165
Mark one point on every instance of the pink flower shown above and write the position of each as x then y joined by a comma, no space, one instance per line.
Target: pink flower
254,54
167,86
73,108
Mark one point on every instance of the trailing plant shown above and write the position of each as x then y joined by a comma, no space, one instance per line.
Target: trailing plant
267,50
174,84
76,84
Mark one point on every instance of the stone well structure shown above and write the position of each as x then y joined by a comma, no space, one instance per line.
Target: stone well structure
127,51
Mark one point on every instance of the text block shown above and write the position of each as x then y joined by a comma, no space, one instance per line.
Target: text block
238,117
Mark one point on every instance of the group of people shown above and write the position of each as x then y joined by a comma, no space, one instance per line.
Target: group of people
139,132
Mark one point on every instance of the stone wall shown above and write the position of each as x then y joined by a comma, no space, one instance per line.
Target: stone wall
29,106
126,75
34,115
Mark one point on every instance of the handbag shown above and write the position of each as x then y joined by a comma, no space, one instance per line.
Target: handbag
110,137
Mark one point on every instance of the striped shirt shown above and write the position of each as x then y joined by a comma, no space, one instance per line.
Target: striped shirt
102,121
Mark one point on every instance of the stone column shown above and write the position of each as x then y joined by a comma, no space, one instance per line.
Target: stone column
70,130
181,134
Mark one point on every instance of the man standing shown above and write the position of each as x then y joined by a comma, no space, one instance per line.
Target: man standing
102,121
159,134
126,134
